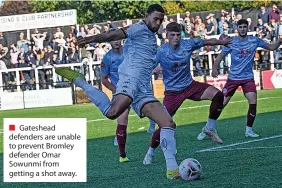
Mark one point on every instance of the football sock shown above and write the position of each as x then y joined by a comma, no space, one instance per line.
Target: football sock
249,128
168,145
152,124
151,151
98,97
211,124
216,106
251,116
121,139
215,110
155,141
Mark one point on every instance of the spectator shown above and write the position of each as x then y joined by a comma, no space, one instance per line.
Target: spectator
99,52
106,28
3,40
164,38
273,26
73,56
48,54
5,56
214,22
82,32
54,44
210,28
224,13
73,31
200,28
14,52
22,43
228,20
189,31
260,27
58,32
38,38
278,52
220,24
250,25
158,40
279,26
274,14
95,30
187,16
263,15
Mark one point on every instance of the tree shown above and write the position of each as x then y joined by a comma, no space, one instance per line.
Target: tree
172,7
97,11
15,7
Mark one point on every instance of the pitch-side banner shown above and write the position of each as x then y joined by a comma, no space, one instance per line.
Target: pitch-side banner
38,20
272,79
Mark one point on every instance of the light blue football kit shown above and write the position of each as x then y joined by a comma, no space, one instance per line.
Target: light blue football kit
242,56
176,63
135,71
110,65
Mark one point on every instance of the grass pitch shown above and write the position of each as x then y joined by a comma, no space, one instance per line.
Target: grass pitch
239,162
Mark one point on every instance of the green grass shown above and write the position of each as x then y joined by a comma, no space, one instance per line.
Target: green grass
253,167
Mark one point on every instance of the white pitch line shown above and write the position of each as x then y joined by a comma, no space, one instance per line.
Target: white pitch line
239,143
251,148
191,107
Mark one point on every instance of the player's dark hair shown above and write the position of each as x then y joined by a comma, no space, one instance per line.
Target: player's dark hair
155,7
173,27
242,21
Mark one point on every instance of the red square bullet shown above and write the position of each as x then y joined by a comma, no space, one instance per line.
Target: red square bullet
11,127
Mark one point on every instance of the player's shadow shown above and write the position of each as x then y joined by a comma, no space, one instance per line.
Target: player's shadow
104,170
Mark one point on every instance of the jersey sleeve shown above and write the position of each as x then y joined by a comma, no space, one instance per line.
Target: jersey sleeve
261,43
226,50
105,66
196,43
132,30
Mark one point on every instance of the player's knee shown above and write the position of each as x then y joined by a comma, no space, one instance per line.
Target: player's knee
168,123
218,97
112,114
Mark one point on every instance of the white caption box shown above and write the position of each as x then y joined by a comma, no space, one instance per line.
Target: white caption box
45,150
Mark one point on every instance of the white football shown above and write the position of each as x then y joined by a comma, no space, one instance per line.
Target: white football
190,169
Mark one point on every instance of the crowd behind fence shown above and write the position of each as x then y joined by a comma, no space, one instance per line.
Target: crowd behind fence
28,58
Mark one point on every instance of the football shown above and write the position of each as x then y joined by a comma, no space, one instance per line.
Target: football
190,169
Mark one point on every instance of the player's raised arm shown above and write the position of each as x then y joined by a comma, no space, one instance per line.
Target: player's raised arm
273,46
118,34
217,61
223,40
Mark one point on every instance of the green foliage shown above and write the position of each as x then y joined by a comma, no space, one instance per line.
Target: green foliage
97,11
197,6
172,7
100,11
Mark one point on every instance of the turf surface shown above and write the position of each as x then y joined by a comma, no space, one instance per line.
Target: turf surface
253,164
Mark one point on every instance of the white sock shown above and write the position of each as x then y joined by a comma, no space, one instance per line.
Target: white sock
211,124
248,128
151,151
152,125
168,145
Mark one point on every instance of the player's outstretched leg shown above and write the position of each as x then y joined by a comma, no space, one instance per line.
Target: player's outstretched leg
155,142
121,135
216,96
99,98
158,113
152,127
252,111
